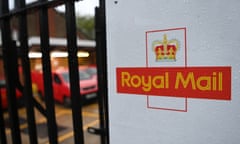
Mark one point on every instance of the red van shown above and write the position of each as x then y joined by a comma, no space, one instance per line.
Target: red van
61,85
3,93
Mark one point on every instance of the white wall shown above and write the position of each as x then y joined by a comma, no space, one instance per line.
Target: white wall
212,39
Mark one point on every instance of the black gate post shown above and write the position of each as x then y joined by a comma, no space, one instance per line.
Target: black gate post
100,30
74,72
9,70
27,90
100,27
47,75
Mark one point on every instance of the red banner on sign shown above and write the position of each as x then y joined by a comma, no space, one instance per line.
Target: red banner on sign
190,82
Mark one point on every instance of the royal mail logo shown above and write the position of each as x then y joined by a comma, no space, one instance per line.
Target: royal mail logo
165,50
191,82
167,74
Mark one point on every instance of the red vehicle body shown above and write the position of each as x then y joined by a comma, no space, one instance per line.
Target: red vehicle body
3,93
61,85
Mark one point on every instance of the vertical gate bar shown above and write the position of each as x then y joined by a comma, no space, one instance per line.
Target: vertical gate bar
47,75
8,48
104,50
28,95
2,123
74,72
3,139
100,28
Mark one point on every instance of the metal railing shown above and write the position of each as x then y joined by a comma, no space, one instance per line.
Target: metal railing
9,55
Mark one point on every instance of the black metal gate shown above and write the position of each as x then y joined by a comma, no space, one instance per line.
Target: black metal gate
10,54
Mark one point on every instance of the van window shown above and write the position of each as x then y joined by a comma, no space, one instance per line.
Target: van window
56,79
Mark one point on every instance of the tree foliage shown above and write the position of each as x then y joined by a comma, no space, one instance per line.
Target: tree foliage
86,25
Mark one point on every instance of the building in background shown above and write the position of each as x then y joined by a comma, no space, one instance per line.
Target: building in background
58,42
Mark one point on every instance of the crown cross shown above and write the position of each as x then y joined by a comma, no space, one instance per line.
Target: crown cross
165,50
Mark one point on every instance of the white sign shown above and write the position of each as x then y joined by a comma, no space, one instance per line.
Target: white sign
173,71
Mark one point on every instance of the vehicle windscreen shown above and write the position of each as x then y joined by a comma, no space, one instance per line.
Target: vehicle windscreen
65,76
82,75
91,71
2,82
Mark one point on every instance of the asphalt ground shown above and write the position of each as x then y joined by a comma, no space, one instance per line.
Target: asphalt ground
64,123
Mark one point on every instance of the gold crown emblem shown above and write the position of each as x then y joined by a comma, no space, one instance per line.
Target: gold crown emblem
165,50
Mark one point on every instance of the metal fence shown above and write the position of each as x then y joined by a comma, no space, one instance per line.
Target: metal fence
10,54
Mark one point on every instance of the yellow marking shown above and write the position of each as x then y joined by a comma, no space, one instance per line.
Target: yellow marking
70,134
60,113
89,114
41,120
92,106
